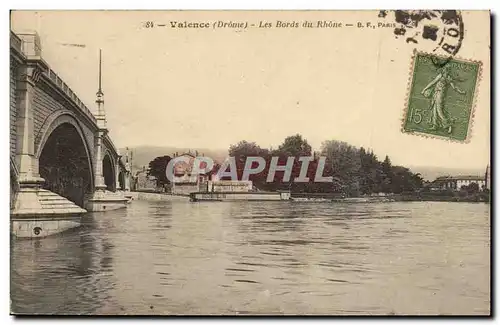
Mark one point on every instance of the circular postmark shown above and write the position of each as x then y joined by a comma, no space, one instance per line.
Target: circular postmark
435,31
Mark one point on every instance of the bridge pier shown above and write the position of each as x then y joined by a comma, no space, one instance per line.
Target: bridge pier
40,213
103,199
35,212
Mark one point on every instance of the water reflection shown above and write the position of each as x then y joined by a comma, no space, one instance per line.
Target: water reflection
261,258
63,274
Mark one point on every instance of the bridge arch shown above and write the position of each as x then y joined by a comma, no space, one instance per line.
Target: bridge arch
65,161
109,171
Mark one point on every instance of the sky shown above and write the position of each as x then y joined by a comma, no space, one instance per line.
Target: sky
210,88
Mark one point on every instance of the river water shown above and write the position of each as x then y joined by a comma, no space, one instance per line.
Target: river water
237,258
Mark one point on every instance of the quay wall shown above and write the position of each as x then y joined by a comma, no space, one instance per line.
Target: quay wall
151,196
184,189
242,196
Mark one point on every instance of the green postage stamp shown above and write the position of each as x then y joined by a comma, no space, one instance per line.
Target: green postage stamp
441,97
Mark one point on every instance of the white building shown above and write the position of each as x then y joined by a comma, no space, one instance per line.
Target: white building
229,186
456,182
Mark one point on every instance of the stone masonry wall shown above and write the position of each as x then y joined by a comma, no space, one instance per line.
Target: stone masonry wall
43,105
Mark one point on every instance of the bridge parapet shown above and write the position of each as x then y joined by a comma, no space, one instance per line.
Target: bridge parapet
15,42
50,74
28,46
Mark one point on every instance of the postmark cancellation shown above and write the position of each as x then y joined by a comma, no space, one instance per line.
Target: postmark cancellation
441,97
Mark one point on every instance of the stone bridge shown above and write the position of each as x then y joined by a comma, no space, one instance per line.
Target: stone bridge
63,161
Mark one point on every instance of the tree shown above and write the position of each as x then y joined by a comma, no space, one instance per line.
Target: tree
157,168
402,180
244,149
345,164
247,149
472,188
295,146
370,172
387,175
418,181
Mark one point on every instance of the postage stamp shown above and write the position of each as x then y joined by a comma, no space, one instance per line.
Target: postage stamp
238,162
441,96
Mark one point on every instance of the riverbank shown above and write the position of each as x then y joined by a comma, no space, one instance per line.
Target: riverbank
406,197
335,197
479,197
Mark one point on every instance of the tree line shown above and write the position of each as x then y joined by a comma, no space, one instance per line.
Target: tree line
355,171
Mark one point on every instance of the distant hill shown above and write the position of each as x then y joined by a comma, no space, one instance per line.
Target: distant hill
431,173
142,155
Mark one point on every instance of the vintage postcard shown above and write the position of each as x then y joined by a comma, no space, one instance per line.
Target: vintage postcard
250,162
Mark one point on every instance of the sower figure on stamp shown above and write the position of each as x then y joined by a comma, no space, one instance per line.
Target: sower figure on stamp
437,88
